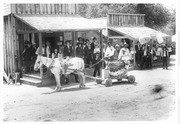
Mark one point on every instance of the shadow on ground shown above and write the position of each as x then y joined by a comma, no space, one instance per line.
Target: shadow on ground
67,90
124,83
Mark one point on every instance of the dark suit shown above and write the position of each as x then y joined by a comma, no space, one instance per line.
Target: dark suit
67,51
79,52
87,55
92,47
97,66
165,59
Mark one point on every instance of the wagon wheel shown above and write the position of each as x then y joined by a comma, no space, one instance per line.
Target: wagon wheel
131,79
108,82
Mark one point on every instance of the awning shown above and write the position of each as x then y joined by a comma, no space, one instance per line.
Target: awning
142,34
59,22
174,39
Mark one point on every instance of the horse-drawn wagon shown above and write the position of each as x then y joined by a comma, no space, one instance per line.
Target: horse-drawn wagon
115,70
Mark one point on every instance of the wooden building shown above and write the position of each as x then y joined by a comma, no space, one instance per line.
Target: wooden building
39,23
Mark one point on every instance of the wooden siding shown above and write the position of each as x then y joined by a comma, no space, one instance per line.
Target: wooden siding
8,43
13,43
67,9
115,19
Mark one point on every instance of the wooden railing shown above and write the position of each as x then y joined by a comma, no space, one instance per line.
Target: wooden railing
45,9
116,19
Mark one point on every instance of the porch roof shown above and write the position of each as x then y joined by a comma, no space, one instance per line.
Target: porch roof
59,22
138,33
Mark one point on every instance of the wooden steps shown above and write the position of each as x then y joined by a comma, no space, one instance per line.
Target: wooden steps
31,80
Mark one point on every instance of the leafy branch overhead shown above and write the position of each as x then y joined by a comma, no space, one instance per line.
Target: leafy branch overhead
156,15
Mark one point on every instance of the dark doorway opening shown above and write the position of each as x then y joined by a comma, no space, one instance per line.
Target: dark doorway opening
52,42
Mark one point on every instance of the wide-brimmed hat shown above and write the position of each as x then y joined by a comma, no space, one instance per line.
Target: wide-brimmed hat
67,41
110,42
80,38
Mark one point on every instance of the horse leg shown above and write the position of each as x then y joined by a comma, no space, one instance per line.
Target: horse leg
58,84
82,80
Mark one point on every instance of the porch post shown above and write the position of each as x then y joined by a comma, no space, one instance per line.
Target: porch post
40,48
32,38
74,43
101,45
134,53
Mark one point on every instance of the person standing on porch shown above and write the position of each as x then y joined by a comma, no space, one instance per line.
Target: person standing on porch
144,56
92,44
97,65
137,53
27,56
96,50
48,49
165,57
67,49
86,55
79,50
43,50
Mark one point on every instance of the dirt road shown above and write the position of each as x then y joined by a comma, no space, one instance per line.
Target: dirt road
121,102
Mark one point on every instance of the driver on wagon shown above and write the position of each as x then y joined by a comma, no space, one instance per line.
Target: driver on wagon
109,51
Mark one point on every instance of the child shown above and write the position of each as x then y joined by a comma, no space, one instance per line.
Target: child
97,65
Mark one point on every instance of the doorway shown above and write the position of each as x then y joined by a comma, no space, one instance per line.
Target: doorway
52,42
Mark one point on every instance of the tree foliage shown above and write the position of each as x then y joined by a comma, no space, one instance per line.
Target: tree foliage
156,15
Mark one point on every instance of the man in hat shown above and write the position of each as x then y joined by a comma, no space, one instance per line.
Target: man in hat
92,44
97,65
67,49
28,56
124,54
109,51
79,50
165,56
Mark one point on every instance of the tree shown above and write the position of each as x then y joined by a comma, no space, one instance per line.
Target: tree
156,15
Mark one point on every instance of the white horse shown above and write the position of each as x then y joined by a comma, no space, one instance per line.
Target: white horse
65,66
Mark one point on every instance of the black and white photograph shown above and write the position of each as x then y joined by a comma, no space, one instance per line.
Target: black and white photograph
89,62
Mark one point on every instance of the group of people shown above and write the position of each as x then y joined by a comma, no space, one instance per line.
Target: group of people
146,54
87,49
90,51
